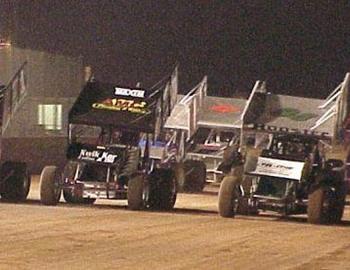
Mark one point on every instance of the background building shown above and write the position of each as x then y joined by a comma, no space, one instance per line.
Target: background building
41,88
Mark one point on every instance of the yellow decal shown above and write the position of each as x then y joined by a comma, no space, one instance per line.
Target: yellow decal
118,104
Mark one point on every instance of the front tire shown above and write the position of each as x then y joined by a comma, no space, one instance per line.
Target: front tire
50,188
228,196
135,193
160,190
319,202
167,191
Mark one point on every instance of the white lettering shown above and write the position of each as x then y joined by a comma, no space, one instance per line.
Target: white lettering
129,92
279,168
97,156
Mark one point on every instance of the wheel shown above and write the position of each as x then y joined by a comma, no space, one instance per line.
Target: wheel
15,181
167,190
318,208
132,163
195,176
50,187
136,193
151,191
338,204
228,196
160,190
337,209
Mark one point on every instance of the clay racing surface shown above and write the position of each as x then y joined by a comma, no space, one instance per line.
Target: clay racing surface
193,236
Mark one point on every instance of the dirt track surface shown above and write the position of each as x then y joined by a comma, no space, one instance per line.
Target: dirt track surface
193,236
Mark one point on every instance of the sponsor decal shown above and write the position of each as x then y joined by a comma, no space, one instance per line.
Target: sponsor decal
279,168
118,104
268,128
296,115
97,156
225,108
128,92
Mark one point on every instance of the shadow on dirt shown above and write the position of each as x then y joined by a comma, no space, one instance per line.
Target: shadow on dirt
289,219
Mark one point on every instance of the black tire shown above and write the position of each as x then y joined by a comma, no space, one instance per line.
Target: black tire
16,181
50,186
132,162
160,190
151,191
195,176
338,205
319,201
135,193
167,190
228,196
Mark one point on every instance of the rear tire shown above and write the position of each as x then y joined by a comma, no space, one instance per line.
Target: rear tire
135,193
16,183
50,186
195,176
228,196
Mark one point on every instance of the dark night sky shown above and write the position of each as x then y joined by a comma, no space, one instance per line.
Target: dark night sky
299,47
